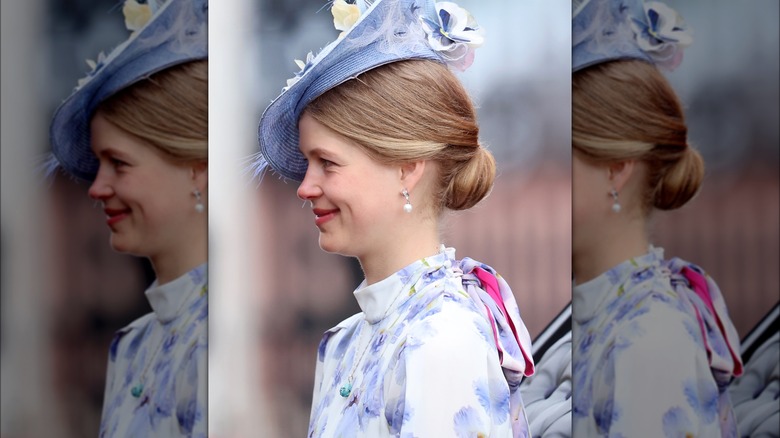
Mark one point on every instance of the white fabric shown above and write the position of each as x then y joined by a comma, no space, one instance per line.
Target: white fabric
423,362
166,352
642,365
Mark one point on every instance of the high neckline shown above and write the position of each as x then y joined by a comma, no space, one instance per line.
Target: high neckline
170,299
589,298
381,298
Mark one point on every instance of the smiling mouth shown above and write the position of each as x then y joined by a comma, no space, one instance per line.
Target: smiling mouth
113,216
321,216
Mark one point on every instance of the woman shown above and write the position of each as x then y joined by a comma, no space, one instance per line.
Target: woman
383,140
136,127
654,349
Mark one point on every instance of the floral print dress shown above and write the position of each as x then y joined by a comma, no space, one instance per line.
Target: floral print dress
653,352
438,351
157,378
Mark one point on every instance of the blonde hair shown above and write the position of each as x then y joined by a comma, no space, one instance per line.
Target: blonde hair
414,110
626,110
169,110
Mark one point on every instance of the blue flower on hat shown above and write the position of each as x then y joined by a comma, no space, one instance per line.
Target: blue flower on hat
455,35
662,35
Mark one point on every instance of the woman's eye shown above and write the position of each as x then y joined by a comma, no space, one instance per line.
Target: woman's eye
327,163
117,162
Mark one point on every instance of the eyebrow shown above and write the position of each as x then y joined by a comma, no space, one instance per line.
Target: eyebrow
110,150
319,151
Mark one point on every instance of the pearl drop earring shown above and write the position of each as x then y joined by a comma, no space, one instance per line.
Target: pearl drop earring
408,205
615,204
199,207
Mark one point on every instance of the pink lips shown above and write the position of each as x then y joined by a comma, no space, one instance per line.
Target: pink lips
322,215
115,215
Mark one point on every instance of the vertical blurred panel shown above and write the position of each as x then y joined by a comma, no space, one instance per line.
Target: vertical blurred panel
24,346
64,291
237,266
521,84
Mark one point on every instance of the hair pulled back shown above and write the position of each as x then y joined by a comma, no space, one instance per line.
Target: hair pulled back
169,110
625,110
414,110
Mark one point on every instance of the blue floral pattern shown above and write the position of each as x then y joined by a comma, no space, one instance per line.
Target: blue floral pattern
649,355
429,367
164,354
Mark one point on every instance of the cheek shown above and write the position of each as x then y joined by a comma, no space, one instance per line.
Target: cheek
370,206
166,199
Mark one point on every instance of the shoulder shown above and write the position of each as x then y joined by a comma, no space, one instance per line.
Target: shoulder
651,319
655,334
649,297
335,340
128,339
450,324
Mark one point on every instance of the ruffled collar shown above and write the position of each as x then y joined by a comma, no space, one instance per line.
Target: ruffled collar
381,298
492,296
591,297
697,293
169,300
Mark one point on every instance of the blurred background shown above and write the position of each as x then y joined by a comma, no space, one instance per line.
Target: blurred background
64,291
520,82
729,84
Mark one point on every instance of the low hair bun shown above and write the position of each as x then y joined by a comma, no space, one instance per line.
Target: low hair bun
471,182
681,181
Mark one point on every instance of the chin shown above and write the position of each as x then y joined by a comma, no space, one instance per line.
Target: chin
331,246
122,245
328,246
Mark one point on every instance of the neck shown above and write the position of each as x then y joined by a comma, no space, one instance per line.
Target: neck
170,266
616,243
417,243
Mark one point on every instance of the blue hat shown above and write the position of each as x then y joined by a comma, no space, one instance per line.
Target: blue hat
609,30
386,31
175,34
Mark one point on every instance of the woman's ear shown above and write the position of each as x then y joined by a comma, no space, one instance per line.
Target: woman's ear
620,172
411,173
200,175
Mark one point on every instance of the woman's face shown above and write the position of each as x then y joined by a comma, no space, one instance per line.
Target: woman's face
356,200
147,197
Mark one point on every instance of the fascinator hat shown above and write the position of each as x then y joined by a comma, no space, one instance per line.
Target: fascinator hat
374,33
165,34
610,30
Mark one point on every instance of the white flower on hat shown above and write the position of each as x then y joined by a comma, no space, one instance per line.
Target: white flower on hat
662,35
454,35
94,66
304,66
136,14
345,15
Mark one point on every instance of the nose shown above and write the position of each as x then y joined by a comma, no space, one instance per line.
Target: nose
101,188
309,189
